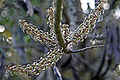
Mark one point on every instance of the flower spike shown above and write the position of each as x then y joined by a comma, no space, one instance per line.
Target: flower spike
36,34
38,66
88,24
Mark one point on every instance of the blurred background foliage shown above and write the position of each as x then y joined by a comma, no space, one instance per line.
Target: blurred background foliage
16,47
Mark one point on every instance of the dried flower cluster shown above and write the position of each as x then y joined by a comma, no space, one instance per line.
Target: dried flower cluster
50,40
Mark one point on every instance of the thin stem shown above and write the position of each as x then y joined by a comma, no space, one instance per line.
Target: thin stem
86,48
58,17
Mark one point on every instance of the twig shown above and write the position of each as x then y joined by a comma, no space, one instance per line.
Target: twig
30,10
24,6
86,48
115,42
57,73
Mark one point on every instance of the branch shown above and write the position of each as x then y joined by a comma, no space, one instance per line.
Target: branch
30,11
102,61
36,10
86,48
107,67
57,73
58,15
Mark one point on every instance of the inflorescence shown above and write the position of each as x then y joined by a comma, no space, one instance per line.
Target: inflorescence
88,24
38,66
50,40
